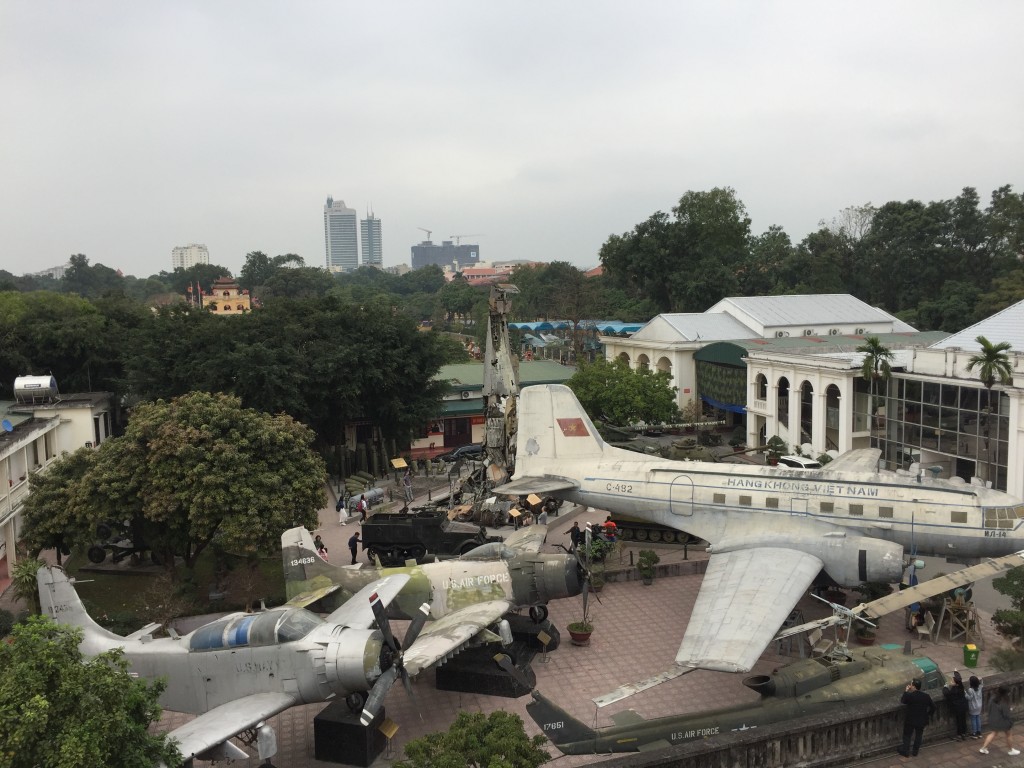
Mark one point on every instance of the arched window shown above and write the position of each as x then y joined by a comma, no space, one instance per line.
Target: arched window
213,307
624,357
643,362
761,384
227,293
240,307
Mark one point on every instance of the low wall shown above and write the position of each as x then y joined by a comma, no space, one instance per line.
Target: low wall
827,740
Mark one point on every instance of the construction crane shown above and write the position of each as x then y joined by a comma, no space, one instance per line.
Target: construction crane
421,229
458,238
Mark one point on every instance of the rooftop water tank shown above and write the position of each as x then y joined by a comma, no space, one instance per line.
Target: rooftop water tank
35,389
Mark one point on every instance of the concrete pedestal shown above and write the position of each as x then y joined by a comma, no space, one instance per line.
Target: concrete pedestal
475,671
339,737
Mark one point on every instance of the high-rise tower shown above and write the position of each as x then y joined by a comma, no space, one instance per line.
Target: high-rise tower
340,236
186,256
369,232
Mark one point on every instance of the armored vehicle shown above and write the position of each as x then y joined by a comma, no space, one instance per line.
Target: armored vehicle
396,537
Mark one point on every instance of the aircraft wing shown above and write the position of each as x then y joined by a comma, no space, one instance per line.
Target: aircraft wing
303,599
213,728
745,597
448,635
857,460
538,485
356,611
527,539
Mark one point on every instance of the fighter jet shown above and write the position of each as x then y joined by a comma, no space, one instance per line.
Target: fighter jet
236,672
808,687
469,593
771,530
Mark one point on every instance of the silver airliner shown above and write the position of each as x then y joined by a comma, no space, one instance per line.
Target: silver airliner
771,530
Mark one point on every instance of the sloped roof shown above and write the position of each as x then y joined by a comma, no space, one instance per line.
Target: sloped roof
1007,325
806,309
693,326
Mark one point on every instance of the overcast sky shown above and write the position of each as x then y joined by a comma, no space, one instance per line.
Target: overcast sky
540,128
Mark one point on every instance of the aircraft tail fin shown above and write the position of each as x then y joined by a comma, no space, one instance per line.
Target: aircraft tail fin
60,601
553,425
560,727
302,563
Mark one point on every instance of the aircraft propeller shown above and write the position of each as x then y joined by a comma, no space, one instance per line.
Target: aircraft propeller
505,662
394,653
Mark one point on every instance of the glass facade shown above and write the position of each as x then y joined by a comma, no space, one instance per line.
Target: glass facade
962,430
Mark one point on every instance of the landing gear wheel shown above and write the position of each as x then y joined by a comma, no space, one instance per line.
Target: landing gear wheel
355,702
96,555
539,613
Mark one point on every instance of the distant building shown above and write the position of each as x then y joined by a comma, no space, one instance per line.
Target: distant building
187,256
340,236
372,249
225,298
447,254
57,273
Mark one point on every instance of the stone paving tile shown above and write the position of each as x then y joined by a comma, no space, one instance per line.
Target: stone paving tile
638,630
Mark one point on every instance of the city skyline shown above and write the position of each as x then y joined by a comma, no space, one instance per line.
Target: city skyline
542,131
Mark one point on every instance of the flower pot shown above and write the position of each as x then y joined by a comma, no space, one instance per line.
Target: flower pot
647,580
865,639
580,635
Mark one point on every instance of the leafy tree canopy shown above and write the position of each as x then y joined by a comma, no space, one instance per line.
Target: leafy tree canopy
621,395
198,468
475,741
59,709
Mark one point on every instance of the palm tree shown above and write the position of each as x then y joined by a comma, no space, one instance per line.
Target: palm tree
993,363
876,366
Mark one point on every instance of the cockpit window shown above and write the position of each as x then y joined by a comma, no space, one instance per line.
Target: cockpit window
268,628
491,551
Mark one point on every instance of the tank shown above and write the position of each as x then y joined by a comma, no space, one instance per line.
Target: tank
35,389
395,537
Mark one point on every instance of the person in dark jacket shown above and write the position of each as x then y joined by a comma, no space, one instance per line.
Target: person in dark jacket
1000,720
920,708
956,700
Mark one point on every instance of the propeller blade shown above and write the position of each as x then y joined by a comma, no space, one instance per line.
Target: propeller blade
376,698
422,614
505,662
382,622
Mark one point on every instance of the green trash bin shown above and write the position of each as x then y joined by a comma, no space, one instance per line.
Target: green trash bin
971,654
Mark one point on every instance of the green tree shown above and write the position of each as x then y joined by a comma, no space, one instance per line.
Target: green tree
59,709
688,262
90,281
1010,621
198,468
1005,291
259,268
198,276
620,395
458,298
51,516
477,741
876,365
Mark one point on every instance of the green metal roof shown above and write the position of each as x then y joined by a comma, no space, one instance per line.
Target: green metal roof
732,352
471,375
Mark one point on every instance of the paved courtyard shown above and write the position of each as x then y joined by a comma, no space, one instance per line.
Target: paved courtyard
638,630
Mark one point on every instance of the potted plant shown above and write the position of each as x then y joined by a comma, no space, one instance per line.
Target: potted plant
645,563
580,630
864,634
776,447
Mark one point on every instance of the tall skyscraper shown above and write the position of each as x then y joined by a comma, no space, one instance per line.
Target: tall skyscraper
340,236
369,232
186,256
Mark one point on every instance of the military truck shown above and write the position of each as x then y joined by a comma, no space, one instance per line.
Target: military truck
396,537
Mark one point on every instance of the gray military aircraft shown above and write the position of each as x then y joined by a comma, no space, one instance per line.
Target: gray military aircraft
238,671
808,687
771,530
486,582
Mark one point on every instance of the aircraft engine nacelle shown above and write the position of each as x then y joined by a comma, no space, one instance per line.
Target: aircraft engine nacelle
540,578
852,560
353,660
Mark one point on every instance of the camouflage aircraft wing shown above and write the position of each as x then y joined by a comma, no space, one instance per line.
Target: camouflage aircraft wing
527,539
857,460
538,485
447,635
215,727
745,597
303,599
